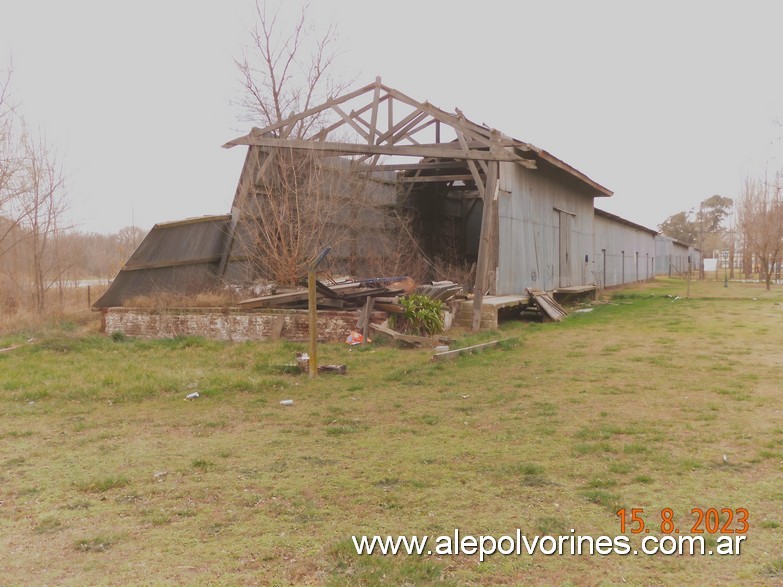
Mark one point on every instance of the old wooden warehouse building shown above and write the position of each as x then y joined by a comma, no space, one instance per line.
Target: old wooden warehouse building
403,176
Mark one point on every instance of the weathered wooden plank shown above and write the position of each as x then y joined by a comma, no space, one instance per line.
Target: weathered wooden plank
435,178
292,120
472,166
277,327
389,307
548,306
439,164
393,129
274,299
350,120
485,244
446,150
405,130
451,354
374,116
410,338
367,313
324,132
409,134
380,291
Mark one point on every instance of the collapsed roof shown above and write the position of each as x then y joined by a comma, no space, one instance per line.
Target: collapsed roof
403,142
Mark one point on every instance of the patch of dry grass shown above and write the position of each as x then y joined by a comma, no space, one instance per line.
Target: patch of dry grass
162,299
65,310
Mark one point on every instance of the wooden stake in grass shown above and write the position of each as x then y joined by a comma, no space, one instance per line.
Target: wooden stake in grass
312,308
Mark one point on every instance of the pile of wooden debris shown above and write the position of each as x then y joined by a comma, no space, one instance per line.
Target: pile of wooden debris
350,294
366,296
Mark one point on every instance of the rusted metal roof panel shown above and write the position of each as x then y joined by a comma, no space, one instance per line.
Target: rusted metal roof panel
175,257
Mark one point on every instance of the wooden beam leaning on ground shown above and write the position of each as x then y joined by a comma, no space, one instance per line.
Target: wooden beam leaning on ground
410,338
451,354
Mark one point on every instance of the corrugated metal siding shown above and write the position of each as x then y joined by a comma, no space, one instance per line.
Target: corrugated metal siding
672,257
529,240
181,241
623,253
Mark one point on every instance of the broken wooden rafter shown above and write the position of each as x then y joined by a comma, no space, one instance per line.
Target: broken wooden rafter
485,236
435,150
410,338
402,127
472,166
437,164
374,116
352,121
292,120
435,178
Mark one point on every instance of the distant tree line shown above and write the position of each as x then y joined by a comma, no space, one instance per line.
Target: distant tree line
755,236
40,254
760,224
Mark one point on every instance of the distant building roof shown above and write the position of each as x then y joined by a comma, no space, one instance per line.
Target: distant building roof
621,220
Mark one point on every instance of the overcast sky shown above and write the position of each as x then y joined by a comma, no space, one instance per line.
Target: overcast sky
665,103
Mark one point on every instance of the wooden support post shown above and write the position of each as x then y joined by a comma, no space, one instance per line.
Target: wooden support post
312,308
89,298
277,327
374,116
485,242
368,311
313,315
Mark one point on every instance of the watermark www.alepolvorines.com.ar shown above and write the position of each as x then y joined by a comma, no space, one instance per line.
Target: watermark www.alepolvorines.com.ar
520,544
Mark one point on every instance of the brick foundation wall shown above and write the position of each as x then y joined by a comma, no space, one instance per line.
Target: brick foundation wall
230,324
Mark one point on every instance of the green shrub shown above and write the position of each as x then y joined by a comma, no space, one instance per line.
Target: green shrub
420,315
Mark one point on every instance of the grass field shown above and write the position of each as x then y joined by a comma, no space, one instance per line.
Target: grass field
108,476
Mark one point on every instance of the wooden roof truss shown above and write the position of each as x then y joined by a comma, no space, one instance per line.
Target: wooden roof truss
419,141
424,142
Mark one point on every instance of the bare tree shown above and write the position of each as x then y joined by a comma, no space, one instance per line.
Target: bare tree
303,202
284,74
6,159
293,203
41,206
11,165
760,221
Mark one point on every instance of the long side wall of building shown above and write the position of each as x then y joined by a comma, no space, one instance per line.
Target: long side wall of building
546,232
672,257
623,252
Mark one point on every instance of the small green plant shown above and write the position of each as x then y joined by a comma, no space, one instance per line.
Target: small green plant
420,315
103,484
774,569
100,543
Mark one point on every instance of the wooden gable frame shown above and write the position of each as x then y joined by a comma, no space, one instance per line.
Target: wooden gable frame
385,122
